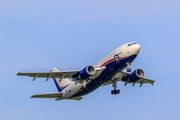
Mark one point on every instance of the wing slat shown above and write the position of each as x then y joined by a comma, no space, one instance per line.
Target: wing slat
65,74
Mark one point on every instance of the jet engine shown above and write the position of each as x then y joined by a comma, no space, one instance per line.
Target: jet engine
85,73
136,75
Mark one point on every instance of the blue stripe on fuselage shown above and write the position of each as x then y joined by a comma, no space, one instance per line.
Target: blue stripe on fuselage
58,87
111,69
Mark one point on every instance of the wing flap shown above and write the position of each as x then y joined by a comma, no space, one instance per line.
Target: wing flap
119,75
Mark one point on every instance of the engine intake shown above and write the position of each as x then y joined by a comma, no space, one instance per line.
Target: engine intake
85,73
136,75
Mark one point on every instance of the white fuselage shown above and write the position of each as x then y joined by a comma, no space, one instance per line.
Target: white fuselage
115,60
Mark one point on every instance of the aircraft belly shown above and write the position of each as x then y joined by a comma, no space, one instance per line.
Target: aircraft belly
71,90
111,69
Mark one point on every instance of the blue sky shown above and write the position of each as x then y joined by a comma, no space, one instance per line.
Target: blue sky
38,35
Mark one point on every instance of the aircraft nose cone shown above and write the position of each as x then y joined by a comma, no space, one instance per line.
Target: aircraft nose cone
137,47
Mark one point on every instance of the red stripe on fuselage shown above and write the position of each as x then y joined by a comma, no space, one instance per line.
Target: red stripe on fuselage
77,91
113,60
124,57
63,86
107,62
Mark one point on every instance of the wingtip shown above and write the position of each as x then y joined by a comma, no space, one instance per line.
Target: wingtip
15,74
31,97
152,83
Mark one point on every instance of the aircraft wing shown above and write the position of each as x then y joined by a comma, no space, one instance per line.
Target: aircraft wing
59,74
119,75
50,95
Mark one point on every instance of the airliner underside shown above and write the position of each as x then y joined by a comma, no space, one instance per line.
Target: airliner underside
107,71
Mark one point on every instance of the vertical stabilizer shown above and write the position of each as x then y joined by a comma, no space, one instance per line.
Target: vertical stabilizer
60,84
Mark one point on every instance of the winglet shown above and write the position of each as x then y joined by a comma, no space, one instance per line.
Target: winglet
152,83
15,74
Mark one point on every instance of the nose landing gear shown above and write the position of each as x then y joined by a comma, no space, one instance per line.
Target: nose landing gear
115,91
128,69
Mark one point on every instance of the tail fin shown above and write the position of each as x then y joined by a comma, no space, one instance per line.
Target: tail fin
60,84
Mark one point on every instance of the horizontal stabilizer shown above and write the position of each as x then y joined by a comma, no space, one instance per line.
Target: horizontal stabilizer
77,98
50,95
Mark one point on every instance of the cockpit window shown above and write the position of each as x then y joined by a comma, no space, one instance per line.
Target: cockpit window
131,44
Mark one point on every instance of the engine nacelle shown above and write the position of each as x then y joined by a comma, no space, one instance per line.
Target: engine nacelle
136,75
85,73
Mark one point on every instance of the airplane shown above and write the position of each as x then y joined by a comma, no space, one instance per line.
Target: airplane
105,72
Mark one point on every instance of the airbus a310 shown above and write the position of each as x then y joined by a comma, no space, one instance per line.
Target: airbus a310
105,72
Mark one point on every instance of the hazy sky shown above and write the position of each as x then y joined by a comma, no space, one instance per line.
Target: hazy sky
38,35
